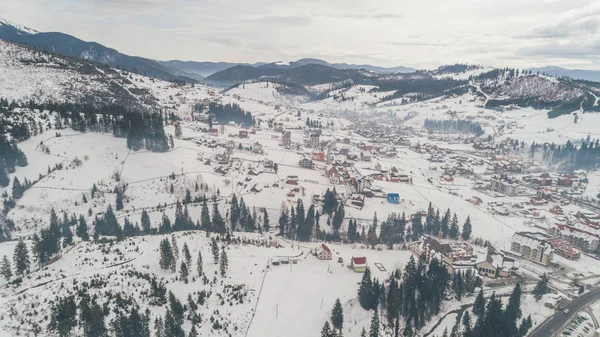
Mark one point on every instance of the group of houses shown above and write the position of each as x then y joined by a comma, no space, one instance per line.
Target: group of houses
459,256
357,264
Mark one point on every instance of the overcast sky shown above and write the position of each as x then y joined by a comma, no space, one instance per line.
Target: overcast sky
421,33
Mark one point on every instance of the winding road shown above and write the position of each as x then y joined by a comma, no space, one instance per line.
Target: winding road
553,325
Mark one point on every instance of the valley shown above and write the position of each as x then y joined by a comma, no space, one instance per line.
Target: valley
247,202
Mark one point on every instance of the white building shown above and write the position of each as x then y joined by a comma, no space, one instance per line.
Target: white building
532,247
505,185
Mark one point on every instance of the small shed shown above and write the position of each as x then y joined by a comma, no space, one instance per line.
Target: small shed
393,198
358,264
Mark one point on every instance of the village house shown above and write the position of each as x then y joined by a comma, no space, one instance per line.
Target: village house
543,180
579,235
357,200
213,132
333,174
314,141
323,252
532,246
257,148
318,156
494,264
243,134
286,137
306,163
358,264
563,248
292,180
453,255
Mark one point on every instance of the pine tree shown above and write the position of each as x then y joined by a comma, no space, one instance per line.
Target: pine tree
466,321
91,317
338,218
541,287
193,332
479,305
159,328
176,308
5,269
119,199
513,313
283,222
17,189
165,226
416,226
146,226
454,231
66,231
467,228
326,331
166,255
363,333
215,250
188,196
179,224
492,322
218,223
82,229
199,264
374,330
265,220
446,223
224,263
186,254
21,258
183,271
4,180
64,316
337,315
365,291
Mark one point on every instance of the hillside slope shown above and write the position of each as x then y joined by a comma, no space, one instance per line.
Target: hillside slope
28,74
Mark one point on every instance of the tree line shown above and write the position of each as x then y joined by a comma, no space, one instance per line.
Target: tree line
453,126
225,113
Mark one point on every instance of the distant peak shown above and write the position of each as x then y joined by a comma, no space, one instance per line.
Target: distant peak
27,30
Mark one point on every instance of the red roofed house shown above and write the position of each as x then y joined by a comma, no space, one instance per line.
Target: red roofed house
324,253
287,138
358,264
213,132
333,174
319,156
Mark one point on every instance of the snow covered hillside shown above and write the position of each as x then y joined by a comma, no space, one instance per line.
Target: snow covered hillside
26,74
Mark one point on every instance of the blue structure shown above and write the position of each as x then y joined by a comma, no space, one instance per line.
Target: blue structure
393,198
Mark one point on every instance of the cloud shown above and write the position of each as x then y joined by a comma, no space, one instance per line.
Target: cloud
565,50
285,20
577,22
372,14
417,43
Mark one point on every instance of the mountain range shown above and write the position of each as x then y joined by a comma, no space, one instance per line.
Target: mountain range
587,75
64,44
